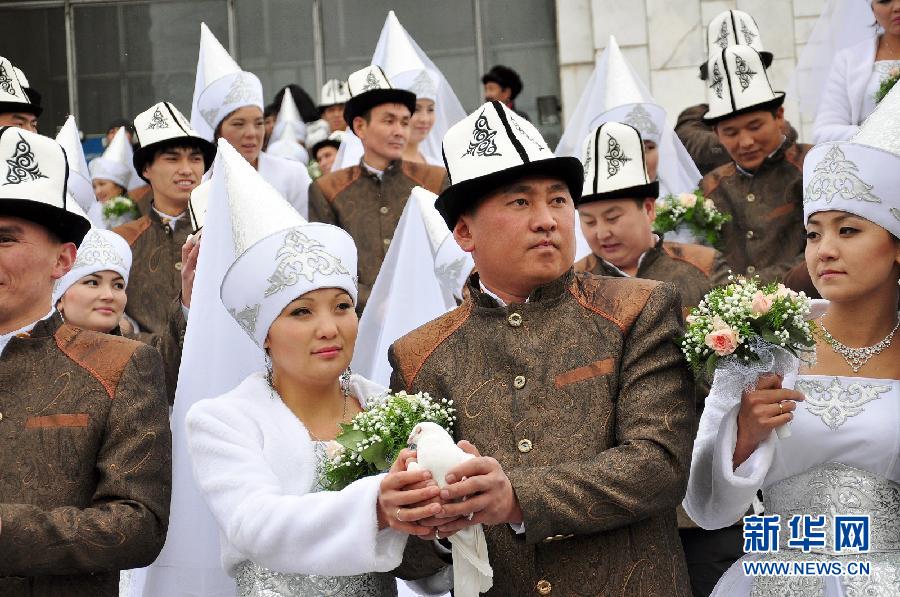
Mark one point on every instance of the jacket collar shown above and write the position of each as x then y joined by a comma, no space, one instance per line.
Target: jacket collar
545,294
773,158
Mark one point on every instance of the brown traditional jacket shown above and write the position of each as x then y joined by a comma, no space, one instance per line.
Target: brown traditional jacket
369,209
701,141
693,269
765,236
583,397
155,278
85,461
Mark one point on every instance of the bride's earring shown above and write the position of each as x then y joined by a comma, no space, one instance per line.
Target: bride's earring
345,382
269,370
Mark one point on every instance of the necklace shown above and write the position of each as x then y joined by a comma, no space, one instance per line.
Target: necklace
857,357
343,418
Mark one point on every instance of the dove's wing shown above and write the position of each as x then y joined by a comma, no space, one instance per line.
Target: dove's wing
472,572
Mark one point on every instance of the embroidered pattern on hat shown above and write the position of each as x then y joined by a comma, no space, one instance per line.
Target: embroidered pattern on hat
95,249
210,116
371,83
717,81
744,72
246,318
482,143
615,157
22,165
448,273
836,176
749,36
896,213
516,126
640,119
423,85
588,159
301,256
6,82
722,40
158,121
241,90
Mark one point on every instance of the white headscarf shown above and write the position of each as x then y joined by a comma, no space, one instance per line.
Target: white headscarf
100,251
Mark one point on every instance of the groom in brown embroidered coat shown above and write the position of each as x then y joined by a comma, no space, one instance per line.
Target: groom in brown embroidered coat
85,447
570,385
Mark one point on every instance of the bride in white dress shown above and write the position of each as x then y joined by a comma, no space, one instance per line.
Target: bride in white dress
843,454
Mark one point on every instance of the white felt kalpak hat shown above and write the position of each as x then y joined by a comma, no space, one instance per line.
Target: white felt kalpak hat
101,250
221,87
117,162
733,28
860,176
13,94
289,115
280,256
738,83
162,125
80,187
615,166
370,87
494,146
34,175
334,92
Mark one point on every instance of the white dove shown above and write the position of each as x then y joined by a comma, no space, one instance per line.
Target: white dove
436,452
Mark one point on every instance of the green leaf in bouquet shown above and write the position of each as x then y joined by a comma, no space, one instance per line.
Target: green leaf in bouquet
770,337
376,455
710,367
350,437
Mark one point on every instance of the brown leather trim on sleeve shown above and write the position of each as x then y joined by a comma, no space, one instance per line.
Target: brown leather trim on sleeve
595,369
101,355
56,421
620,300
333,183
781,211
412,350
424,175
796,154
133,230
703,258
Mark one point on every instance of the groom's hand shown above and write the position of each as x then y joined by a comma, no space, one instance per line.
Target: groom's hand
478,492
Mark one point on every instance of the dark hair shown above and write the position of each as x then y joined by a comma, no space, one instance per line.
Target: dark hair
119,123
367,116
504,77
271,110
178,143
305,105
323,144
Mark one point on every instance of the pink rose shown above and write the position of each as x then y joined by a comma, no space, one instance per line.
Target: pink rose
687,199
784,292
761,303
723,341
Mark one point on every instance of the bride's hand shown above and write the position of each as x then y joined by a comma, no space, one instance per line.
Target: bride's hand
400,495
762,410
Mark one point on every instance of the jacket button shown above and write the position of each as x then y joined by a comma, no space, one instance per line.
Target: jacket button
384,210
1,416
524,446
514,320
386,241
519,382
544,587
751,197
178,266
749,234
751,270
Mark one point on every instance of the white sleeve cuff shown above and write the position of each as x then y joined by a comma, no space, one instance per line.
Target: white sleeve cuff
518,528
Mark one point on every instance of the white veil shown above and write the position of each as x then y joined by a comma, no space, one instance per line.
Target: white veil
397,53
841,24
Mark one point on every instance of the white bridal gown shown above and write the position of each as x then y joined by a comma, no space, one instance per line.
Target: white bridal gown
843,457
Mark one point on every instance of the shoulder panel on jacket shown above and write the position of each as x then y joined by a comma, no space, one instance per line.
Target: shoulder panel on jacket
586,264
333,183
702,258
425,175
711,181
796,153
620,300
133,230
412,350
102,355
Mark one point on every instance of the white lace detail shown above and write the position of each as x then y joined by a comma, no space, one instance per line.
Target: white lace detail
835,403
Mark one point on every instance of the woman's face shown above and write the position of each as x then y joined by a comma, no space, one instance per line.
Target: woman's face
422,120
850,257
312,339
95,302
651,153
887,13
106,189
245,129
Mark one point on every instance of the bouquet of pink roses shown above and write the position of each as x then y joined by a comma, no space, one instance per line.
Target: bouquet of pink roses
745,329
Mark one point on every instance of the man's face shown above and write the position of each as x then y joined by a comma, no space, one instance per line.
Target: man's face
750,138
31,260
174,173
521,236
22,120
387,131
618,230
494,92
334,116
325,156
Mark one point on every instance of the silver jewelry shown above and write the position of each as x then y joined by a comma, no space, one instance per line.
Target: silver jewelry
268,361
437,534
857,357
345,382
